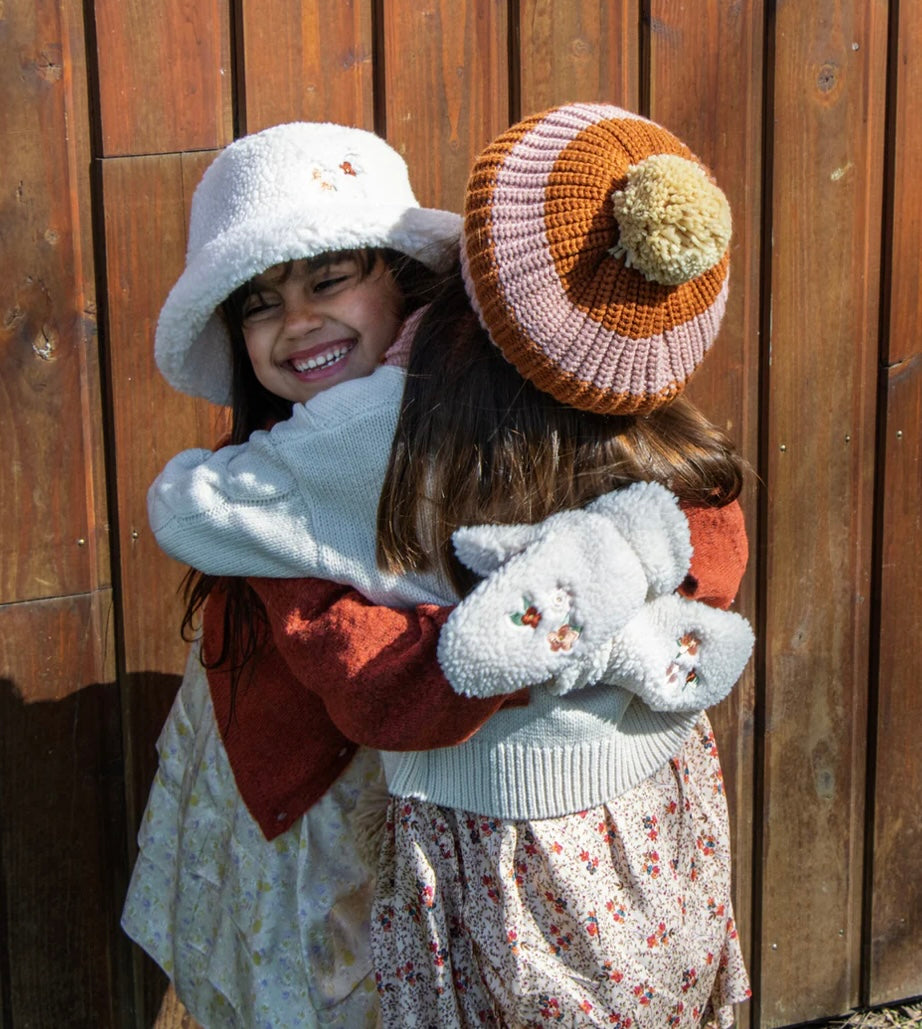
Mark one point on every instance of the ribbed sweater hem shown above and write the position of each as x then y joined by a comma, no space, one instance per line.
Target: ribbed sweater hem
523,781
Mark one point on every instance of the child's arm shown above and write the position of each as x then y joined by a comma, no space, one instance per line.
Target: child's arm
720,554
572,628
374,667
299,500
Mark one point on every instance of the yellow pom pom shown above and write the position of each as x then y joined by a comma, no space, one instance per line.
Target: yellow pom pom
674,222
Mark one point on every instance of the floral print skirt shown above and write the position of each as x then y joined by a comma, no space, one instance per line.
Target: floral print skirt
616,916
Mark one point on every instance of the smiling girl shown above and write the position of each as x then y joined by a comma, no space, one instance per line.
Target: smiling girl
311,323
307,249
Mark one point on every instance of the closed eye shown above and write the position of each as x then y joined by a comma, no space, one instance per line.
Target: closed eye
331,276
259,307
330,284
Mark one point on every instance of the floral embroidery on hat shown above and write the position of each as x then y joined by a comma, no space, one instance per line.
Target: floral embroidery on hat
531,616
563,637
317,175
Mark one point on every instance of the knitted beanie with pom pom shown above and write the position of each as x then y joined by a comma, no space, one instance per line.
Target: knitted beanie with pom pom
595,251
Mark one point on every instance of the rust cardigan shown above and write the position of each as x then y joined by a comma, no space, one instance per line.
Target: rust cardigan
342,672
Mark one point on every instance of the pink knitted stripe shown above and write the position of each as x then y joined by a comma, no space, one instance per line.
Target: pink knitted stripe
537,300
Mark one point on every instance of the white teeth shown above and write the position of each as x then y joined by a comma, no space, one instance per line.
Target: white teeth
331,357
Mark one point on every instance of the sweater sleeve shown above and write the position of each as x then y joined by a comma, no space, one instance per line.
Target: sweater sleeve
298,500
225,512
720,553
374,667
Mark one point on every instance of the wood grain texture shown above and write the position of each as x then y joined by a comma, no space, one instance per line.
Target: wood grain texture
802,401
827,138
62,837
905,230
896,883
52,484
896,899
702,102
50,648
164,75
446,89
581,50
145,205
324,71
146,210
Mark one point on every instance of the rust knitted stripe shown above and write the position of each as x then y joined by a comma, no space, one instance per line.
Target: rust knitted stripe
572,318
581,230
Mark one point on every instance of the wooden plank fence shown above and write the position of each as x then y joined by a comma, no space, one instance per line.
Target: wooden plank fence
807,111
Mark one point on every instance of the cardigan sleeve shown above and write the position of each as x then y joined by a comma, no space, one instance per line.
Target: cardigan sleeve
720,551
283,748
374,667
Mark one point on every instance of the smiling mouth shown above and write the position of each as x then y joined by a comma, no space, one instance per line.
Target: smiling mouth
320,361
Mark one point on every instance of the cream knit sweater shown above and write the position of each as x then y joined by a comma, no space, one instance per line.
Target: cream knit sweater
301,500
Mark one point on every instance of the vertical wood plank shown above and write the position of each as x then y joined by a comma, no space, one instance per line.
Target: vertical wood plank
324,71
896,899
165,84
145,208
52,501
62,844
50,648
146,201
164,75
829,88
580,50
446,91
715,107
63,860
896,886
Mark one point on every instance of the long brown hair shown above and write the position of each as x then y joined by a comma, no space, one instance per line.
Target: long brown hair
245,630
477,443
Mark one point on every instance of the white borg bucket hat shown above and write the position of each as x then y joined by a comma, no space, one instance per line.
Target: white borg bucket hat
288,192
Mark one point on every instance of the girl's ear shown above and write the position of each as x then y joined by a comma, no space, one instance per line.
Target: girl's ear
484,548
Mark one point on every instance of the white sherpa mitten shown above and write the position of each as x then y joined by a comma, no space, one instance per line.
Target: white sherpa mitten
648,516
679,655
559,590
556,593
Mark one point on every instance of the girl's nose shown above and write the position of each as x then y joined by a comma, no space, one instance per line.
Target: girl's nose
302,313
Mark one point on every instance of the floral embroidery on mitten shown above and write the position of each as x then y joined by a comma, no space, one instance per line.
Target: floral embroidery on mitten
682,669
561,638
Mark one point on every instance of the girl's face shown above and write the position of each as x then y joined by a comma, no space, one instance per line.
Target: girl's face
310,325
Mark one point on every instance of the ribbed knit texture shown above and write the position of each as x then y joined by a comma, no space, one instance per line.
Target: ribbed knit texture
555,757
537,257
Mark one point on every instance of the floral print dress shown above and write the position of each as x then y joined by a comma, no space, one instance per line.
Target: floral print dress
616,916
253,934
